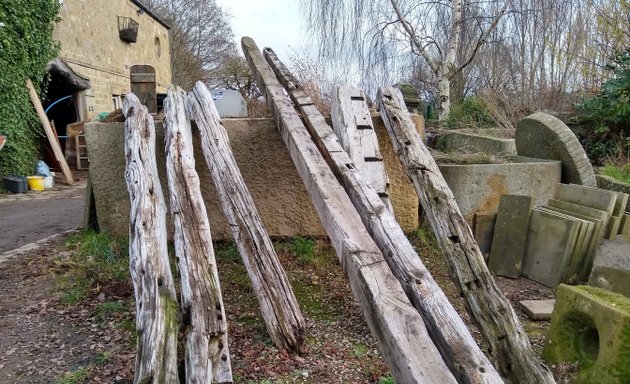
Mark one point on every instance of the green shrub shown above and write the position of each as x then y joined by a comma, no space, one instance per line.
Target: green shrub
303,249
26,46
472,113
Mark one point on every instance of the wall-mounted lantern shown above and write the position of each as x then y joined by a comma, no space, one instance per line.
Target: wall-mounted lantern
127,29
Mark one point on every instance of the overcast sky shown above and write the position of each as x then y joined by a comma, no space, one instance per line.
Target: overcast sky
271,23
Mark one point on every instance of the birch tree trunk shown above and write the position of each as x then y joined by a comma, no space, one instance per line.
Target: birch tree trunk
395,324
207,357
278,304
447,330
509,345
156,303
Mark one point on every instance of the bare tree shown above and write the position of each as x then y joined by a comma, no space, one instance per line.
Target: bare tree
201,37
381,38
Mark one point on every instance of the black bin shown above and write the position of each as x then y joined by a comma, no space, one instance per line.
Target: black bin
15,184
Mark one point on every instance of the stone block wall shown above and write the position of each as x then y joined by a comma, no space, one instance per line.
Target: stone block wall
90,45
278,192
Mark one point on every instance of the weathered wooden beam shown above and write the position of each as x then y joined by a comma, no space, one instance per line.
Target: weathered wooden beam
51,134
509,346
447,330
352,123
278,304
395,324
207,357
156,304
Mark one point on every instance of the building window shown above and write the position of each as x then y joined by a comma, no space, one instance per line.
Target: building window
158,48
117,101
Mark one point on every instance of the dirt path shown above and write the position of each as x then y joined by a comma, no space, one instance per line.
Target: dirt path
30,217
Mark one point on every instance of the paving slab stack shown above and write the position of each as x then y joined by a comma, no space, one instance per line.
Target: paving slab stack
565,235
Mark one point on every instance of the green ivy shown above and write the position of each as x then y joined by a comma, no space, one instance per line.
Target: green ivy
26,46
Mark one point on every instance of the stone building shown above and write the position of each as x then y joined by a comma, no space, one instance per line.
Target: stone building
108,48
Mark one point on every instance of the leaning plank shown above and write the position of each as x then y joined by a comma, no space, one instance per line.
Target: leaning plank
509,345
278,304
353,125
207,357
395,324
50,132
447,330
156,303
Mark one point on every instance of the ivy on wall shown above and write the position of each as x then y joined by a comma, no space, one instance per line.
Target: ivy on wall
26,46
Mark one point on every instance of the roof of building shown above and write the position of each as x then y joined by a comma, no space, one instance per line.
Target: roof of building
151,13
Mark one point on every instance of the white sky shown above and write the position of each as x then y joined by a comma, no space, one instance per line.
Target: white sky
271,23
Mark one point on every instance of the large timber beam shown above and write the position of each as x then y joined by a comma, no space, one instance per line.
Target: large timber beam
508,342
278,304
156,303
446,328
397,327
207,357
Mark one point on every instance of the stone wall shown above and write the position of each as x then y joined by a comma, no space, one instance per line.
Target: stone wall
271,177
88,34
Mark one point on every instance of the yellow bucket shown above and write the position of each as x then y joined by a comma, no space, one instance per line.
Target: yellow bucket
35,183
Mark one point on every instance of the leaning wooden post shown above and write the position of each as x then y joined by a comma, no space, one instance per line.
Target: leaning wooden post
50,132
207,357
397,327
509,345
447,330
156,303
278,304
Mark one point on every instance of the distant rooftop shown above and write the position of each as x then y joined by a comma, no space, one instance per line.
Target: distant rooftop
151,13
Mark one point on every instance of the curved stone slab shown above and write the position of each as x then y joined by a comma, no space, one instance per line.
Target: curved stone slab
544,136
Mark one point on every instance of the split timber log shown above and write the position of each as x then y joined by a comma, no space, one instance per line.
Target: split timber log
509,345
207,357
447,330
156,302
353,126
278,304
396,325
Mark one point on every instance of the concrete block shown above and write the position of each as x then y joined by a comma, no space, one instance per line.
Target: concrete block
591,326
611,267
550,245
547,137
625,225
510,235
537,309
478,188
483,230
618,211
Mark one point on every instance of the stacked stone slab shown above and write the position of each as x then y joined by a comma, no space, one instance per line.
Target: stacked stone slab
510,235
591,326
546,137
564,235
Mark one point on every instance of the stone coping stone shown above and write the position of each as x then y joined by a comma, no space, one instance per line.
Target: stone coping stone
551,242
624,229
478,188
590,197
278,192
611,267
510,235
612,184
544,136
591,242
578,256
483,230
537,309
455,141
591,326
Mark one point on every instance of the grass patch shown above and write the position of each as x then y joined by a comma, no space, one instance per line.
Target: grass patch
312,300
227,251
386,380
74,377
97,263
618,172
105,310
359,350
303,249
